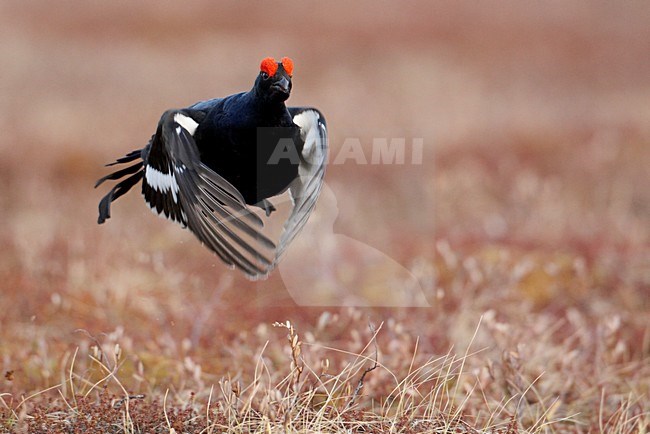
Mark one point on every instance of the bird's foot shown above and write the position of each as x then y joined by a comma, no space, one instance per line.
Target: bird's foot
266,206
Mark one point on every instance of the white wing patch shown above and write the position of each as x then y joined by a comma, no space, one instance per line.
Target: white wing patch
186,122
162,182
312,152
308,123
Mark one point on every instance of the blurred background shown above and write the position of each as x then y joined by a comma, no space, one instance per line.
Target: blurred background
534,117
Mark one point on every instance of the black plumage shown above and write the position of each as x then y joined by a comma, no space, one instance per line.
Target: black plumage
207,163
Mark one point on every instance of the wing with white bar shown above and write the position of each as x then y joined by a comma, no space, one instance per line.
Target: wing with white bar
305,189
179,186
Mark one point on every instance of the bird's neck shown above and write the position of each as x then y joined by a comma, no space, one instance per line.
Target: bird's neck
266,107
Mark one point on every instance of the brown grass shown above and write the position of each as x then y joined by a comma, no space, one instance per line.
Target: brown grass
526,225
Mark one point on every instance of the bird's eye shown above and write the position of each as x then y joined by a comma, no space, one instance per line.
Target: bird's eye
264,75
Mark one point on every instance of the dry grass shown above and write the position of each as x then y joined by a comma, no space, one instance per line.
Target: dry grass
526,226
312,391
509,367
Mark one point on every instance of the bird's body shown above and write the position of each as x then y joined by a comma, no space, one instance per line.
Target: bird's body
238,137
206,163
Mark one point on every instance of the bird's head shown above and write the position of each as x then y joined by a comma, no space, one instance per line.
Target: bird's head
274,80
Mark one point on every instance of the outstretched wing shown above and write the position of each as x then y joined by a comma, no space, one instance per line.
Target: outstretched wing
177,185
305,189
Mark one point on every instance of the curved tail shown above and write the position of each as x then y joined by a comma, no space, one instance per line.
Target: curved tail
123,186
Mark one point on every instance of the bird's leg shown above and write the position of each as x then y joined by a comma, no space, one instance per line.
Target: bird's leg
266,206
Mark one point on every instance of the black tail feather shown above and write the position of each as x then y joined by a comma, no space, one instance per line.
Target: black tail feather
120,173
128,157
117,191
122,187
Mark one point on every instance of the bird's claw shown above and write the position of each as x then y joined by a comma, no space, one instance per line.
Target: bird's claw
267,206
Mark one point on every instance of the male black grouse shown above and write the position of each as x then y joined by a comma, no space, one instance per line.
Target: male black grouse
206,163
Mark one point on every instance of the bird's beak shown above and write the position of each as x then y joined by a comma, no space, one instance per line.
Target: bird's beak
282,85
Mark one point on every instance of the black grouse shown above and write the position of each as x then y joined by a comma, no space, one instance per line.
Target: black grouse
208,162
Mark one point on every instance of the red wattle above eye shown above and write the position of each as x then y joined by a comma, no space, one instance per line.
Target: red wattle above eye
269,66
287,64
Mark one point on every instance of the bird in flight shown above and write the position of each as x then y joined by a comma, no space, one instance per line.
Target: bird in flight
208,164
